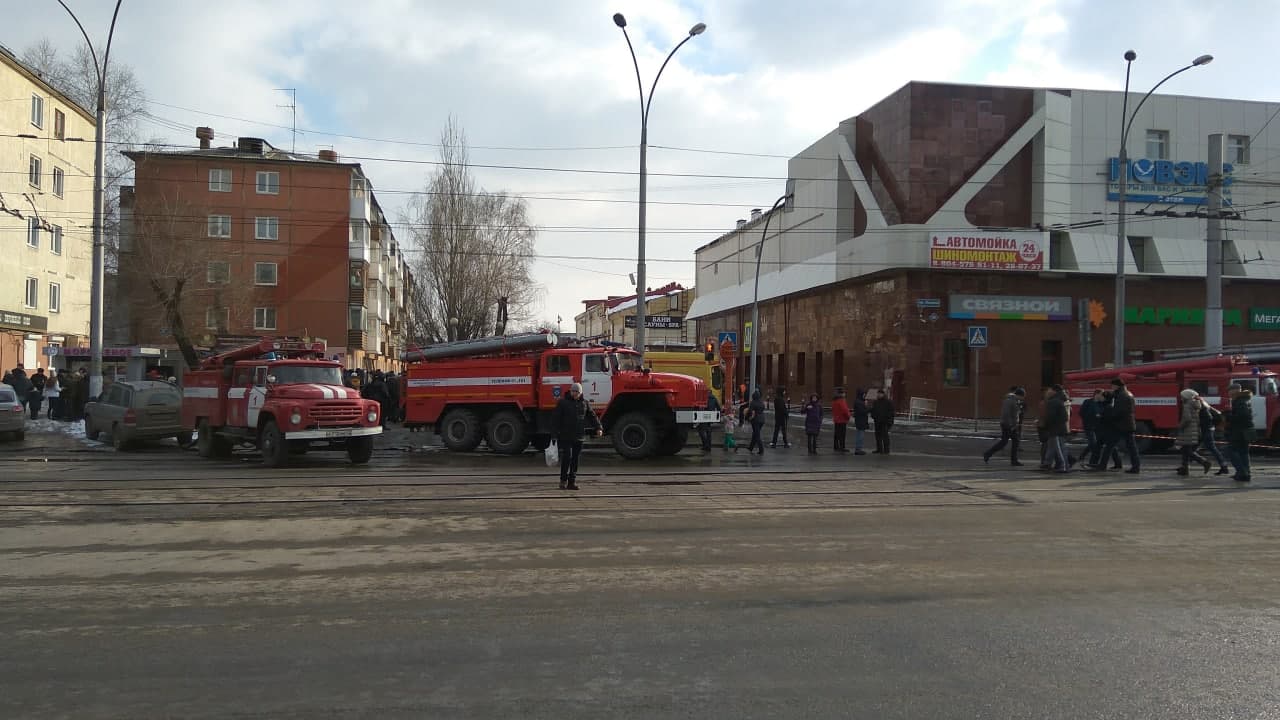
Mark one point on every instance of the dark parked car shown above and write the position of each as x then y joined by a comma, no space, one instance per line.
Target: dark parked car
12,418
135,410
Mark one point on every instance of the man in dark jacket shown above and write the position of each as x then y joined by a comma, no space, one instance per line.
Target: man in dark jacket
1011,411
882,412
35,396
1240,431
704,429
571,418
755,415
1056,422
1123,424
21,385
861,420
781,409
376,391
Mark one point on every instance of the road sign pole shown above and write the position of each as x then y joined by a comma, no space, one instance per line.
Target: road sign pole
977,353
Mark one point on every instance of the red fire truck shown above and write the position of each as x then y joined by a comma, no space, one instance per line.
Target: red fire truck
1155,387
503,390
283,397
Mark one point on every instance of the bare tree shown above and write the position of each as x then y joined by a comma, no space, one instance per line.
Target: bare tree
76,77
188,280
474,247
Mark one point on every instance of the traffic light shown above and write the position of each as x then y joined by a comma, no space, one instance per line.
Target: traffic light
709,350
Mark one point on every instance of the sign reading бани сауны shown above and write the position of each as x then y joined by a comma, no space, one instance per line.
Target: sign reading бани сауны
1166,181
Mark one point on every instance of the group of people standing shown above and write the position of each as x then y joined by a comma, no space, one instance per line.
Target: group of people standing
1108,419
382,388
62,395
864,413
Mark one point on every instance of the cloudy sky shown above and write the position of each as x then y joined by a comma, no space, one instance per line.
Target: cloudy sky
550,86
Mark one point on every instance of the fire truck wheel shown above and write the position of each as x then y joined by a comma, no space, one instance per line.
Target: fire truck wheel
674,441
634,436
506,433
460,430
359,450
275,451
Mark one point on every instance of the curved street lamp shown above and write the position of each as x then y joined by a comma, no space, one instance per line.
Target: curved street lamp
641,295
99,160
1126,124
755,298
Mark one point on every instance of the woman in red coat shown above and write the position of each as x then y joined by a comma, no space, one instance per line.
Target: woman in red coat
840,416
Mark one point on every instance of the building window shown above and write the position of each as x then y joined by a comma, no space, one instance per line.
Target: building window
33,292
59,125
1157,144
55,297
219,226
355,317
268,183
33,172
33,232
217,318
1237,149
266,228
55,243
37,111
219,180
954,355
59,181
218,272
265,273
264,318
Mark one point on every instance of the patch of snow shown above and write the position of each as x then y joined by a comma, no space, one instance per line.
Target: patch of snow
74,430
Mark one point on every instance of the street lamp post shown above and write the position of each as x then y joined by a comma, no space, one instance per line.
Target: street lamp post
1126,124
99,202
641,293
755,298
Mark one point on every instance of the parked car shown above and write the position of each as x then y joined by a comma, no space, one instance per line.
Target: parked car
131,411
12,418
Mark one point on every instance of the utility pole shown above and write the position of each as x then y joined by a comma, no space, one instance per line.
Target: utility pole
1213,246
293,107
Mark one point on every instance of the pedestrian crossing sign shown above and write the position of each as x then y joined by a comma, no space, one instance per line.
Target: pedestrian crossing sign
977,336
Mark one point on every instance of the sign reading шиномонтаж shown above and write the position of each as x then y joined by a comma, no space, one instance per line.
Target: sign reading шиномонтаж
984,250
1010,307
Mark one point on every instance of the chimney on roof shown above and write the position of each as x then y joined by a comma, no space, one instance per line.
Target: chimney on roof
327,155
755,214
205,135
741,223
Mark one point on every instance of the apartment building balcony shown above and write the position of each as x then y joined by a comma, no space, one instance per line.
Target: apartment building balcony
356,340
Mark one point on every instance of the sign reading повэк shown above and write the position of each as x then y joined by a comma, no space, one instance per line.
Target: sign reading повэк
979,250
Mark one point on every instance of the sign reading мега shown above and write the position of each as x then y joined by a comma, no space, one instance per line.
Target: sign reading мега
1264,318
656,322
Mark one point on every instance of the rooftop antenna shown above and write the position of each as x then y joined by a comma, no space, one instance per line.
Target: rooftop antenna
293,107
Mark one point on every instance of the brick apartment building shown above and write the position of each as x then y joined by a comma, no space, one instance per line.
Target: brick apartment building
944,206
614,318
273,244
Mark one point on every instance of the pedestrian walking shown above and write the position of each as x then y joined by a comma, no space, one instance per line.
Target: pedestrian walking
1011,412
393,413
704,429
1106,432
53,393
755,416
1210,418
861,420
1057,420
1189,431
812,411
781,411
1090,417
840,417
572,418
376,390
882,413
1240,431
730,426
1121,416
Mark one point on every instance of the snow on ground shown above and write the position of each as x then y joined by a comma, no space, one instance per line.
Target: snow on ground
73,430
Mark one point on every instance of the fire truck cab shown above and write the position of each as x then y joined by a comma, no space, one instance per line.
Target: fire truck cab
282,397
1155,387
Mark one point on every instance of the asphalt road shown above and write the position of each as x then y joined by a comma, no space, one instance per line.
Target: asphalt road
924,584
